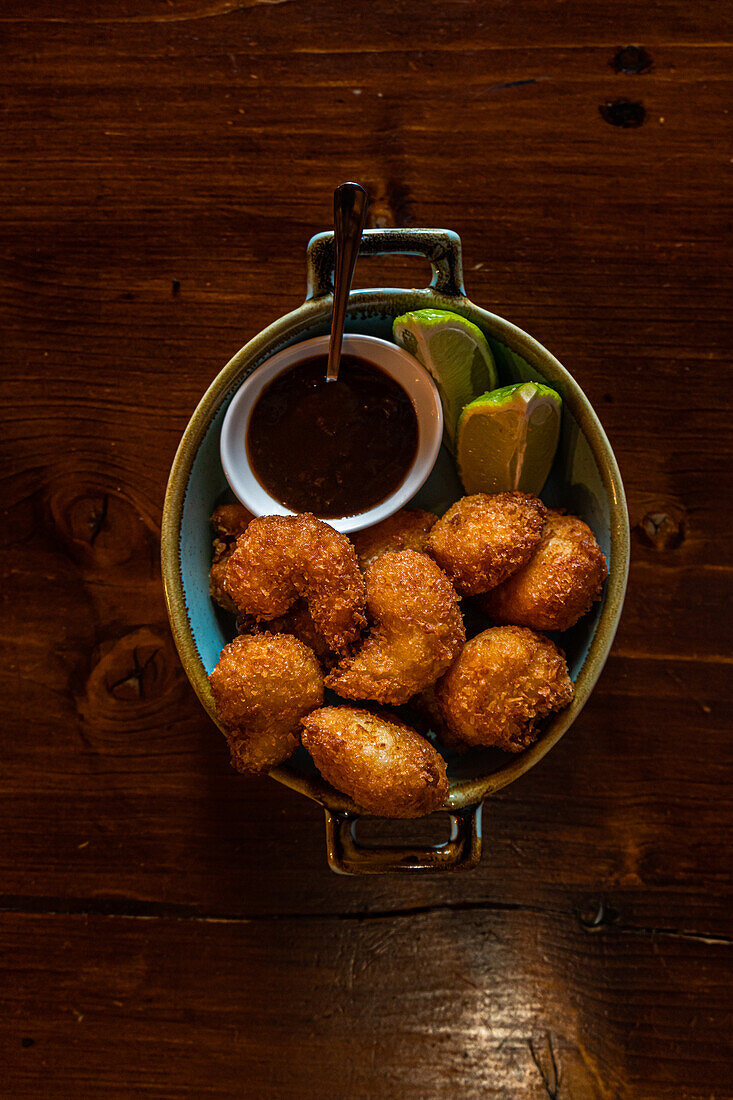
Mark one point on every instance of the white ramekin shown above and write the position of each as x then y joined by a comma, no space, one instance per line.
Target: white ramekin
395,362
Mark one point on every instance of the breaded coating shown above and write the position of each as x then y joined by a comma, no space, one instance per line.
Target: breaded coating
504,681
217,574
417,631
387,768
483,539
281,558
430,720
262,686
407,529
297,621
562,580
229,521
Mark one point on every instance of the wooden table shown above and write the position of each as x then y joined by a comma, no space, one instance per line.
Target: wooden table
169,928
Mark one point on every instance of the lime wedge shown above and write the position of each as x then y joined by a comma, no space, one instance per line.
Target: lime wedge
507,439
456,354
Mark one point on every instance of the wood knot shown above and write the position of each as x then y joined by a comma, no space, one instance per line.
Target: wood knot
632,60
623,113
132,681
596,915
99,528
140,676
662,528
390,205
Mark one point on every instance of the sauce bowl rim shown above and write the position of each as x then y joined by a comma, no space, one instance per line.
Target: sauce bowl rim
397,363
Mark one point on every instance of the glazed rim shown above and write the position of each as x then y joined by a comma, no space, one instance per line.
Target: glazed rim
463,792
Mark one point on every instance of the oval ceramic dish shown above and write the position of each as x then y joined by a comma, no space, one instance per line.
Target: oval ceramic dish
584,479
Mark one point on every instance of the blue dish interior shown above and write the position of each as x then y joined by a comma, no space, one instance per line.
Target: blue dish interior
574,483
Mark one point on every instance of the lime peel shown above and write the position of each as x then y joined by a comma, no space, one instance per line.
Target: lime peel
455,352
507,439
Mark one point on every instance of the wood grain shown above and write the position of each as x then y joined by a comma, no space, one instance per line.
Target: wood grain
483,1002
170,928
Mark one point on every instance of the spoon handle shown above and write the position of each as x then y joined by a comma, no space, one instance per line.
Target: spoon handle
349,214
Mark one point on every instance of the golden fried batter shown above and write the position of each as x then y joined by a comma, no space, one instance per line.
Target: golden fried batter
561,581
430,720
387,768
417,631
405,530
280,558
297,621
483,539
217,574
262,686
503,682
229,521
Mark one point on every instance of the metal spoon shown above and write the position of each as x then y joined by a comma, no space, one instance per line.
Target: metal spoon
349,214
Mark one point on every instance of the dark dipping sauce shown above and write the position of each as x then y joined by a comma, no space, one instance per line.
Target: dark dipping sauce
332,448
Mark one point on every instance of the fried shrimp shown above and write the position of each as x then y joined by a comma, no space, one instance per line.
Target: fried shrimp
561,581
405,530
430,719
217,573
297,621
417,631
503,682
281,558
387,768
262,686
483,539
229,521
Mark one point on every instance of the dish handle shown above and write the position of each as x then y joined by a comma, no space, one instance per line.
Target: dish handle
441,247
460,852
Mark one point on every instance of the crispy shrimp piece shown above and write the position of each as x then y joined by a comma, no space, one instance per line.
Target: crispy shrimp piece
405,530
217,573
387,768
262,686
280,558
483,539
229,521
504,681
430,720
417,631
297,621
561,581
